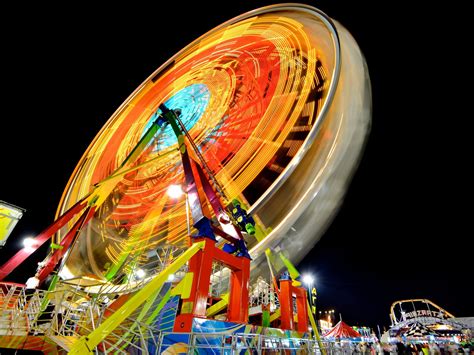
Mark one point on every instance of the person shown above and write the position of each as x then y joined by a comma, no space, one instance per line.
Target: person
466,348
402,348
456,349
362,347
343,346
338,346
32,283
351,347
418,349
378,348
392,349
434,349
30,286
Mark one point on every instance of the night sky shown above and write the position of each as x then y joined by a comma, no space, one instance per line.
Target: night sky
402,231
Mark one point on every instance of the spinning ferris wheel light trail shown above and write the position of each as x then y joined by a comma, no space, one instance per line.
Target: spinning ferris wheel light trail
255,97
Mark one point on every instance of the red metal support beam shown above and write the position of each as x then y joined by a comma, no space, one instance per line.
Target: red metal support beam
286,304
40,239
201,267
66,243
287,291
238,308
301,309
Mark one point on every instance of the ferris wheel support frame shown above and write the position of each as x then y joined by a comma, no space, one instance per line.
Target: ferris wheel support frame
89,204
193,172
17,259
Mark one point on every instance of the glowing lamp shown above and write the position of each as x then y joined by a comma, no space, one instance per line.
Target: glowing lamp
308,279
29,242
175,191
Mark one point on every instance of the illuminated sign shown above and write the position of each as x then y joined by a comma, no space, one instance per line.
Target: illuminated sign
312,300
424,313
9,217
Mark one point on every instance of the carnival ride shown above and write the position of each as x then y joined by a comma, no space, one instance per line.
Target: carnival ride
405,313
260,122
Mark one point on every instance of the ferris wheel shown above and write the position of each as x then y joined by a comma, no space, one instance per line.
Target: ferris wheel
271,110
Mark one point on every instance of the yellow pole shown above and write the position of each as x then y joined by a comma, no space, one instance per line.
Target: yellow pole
315,328
86,344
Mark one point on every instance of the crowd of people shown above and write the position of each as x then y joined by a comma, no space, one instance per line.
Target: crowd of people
429,348
401,347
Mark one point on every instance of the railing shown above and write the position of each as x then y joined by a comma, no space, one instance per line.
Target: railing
9,294
229,344
65,315
78,321
12,305
72,318
263,293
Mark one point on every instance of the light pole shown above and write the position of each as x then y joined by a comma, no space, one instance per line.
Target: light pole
308,280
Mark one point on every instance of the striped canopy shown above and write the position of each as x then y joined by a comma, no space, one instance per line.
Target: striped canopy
342,330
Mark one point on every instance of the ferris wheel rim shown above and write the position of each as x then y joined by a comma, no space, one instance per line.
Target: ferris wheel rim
330,26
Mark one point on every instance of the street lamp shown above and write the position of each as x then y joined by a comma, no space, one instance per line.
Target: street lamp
29,242
308,280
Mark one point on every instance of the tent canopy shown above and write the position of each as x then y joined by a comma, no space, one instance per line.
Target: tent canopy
342,330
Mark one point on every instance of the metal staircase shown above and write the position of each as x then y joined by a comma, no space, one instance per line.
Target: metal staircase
81,323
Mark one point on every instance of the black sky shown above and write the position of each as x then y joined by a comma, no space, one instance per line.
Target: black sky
403,230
